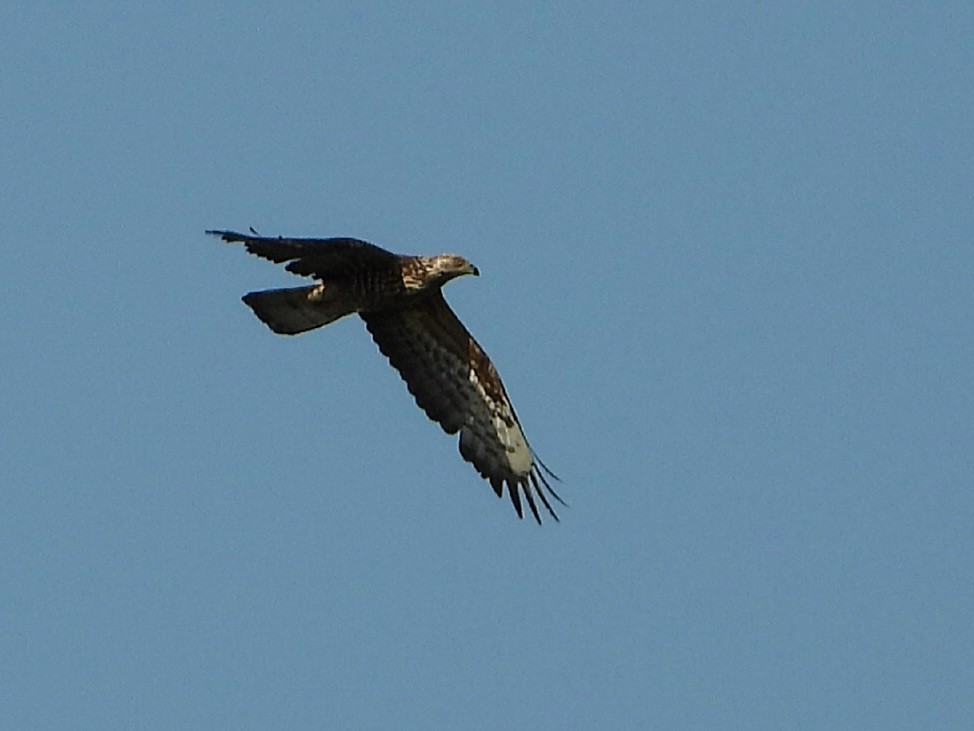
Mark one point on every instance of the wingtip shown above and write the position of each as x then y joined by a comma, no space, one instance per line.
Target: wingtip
228,236
534,508
544,467
539,488
515,494
537,475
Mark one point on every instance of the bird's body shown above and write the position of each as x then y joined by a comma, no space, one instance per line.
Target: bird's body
400,300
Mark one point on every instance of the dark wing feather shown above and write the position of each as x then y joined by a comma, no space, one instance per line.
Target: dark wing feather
455,383
320,258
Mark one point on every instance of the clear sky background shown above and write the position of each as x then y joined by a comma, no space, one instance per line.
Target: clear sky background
727,276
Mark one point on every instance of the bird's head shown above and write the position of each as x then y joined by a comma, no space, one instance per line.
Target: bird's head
445,267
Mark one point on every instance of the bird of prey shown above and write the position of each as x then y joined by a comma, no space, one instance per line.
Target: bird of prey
400,300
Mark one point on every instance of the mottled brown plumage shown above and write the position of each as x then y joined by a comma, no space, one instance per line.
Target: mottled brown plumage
401,302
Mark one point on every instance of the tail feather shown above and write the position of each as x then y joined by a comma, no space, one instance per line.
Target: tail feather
296,309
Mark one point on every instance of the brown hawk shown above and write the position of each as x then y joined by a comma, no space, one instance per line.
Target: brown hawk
401,301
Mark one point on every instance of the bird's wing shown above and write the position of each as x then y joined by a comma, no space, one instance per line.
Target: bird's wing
320,258
457,386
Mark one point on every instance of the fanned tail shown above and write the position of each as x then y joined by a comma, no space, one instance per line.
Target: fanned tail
296,309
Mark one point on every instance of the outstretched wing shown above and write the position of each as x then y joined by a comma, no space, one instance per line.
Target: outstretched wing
320,258
455,383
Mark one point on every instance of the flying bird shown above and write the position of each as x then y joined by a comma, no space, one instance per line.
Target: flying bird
400,299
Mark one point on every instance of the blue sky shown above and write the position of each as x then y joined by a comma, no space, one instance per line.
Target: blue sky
727,278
